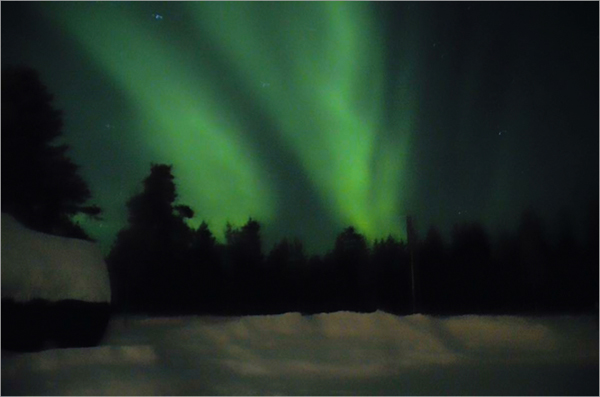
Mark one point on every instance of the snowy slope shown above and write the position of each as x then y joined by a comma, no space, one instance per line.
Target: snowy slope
340,353
38,265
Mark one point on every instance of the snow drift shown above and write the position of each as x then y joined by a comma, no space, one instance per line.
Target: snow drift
327,354
43,266
55,290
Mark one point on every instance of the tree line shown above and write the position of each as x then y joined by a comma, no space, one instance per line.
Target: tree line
159,264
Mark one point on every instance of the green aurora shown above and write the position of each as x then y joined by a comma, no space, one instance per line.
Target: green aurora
313,116
323,95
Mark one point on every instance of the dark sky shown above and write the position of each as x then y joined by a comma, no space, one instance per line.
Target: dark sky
313,116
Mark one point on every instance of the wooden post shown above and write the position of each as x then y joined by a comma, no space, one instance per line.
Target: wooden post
411,235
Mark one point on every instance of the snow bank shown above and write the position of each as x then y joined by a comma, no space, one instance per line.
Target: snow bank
38,265
389,342
328,354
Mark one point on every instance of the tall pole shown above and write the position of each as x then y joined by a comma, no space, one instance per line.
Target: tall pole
410,232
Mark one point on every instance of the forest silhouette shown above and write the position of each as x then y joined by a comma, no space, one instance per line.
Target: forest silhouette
160,265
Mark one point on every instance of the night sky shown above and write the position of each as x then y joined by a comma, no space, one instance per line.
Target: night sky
310,117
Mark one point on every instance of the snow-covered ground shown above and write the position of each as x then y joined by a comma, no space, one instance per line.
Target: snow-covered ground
39,265
339,353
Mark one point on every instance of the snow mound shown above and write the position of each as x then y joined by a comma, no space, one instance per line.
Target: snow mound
326,354
388,341
39,265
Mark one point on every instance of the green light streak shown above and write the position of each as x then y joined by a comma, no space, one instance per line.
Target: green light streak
317,69
183,123
326,95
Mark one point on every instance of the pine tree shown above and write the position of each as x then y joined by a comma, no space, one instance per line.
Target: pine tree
150,258
41,186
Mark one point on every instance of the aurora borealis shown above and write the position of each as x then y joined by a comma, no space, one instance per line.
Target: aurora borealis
313,116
